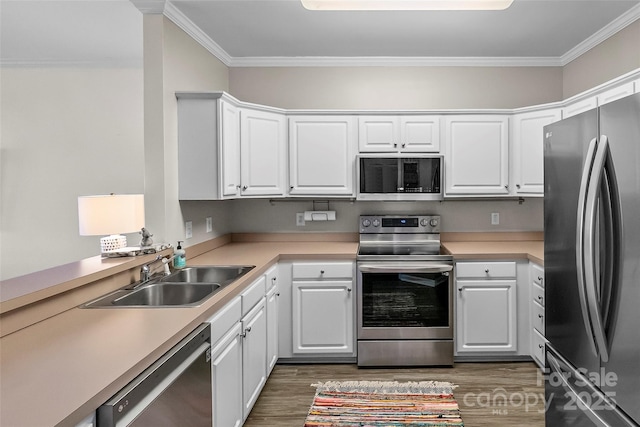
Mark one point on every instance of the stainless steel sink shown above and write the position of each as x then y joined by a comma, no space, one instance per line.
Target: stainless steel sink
188,287
222,274
162,294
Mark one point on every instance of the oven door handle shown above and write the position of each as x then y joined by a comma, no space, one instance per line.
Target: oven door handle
404,268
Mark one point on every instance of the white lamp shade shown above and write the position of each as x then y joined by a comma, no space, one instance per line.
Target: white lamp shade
110,214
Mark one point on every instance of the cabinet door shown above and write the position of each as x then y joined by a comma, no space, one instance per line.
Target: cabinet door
615,93
321,155
486,316
230,149
379,134
322,317
254,356
226,375
272,328
263,153
477,155
420,134
579,107
528,150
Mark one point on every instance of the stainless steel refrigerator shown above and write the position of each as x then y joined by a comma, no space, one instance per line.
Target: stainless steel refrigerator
592,267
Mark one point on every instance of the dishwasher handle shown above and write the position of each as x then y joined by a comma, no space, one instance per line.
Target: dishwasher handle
405,268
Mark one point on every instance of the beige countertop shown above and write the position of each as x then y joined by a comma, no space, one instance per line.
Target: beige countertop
533,250
59,370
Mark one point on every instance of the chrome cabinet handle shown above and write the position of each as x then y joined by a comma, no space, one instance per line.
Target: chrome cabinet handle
518,186
278,294
460,289
348,289
486,270
244,188
540,278
321,271
506,186
404,145
539,297
540,316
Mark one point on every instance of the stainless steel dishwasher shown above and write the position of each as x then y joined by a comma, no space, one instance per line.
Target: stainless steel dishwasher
174,391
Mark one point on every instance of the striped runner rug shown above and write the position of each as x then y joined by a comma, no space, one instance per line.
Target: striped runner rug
383,403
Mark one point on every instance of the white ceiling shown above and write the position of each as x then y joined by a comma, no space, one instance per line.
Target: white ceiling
282,32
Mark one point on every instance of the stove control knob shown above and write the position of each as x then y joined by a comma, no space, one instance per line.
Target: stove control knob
366,223
423,222
433,222
376,223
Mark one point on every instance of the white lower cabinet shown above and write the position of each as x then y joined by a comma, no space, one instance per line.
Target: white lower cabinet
322,317
486,307
226,372
244,349
254,355
273,296
538,340
316,311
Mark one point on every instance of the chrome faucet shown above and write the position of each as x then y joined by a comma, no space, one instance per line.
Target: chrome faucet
145,270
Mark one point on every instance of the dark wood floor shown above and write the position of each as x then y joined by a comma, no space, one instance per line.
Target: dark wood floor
489,394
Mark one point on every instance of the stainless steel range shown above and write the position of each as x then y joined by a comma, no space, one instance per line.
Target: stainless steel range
404,294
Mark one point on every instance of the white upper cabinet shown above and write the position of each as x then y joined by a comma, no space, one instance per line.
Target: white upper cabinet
615,93
230,149
477,155
393,134
208,138
321,155
579,107
263,143
527,143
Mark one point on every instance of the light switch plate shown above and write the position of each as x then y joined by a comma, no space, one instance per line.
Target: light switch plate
209,224
188,226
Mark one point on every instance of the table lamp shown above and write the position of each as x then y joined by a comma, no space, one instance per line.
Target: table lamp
111,215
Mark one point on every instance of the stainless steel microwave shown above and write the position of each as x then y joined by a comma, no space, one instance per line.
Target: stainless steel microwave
385,177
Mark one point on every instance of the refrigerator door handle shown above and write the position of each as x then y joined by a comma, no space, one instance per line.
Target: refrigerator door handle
590,240
580,246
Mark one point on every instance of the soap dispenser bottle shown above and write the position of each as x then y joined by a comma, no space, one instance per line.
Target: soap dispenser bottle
180,256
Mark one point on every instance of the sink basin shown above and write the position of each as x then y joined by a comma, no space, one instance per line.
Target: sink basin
188,287
162,294
222,274
158,294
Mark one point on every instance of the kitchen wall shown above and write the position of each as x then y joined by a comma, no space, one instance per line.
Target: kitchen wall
396,87
614,57
174,62
280,216
65,132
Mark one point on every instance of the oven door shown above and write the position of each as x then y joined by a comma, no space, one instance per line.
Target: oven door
404,300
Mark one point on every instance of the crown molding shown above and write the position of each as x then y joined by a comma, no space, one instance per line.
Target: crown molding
388,61
150,7
178,18
618,24
182,21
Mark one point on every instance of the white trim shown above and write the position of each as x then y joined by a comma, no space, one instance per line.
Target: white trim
624,20
178,18
387,61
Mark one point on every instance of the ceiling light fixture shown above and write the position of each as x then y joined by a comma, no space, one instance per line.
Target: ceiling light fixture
406,4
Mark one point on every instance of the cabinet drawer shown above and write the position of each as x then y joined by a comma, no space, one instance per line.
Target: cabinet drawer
537,293
319,270
537,317
271,277
537,351
252,294
537,275
488,270
224,319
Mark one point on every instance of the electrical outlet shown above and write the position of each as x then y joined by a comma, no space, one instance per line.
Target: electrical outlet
495,218
188,227
209,224
300,219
